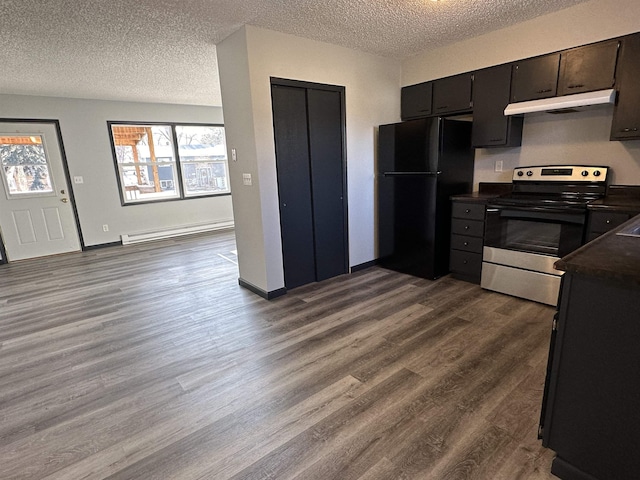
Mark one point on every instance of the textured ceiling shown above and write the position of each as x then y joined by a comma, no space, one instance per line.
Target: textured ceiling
164,50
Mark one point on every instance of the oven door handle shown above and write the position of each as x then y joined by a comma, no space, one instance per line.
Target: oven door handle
558,214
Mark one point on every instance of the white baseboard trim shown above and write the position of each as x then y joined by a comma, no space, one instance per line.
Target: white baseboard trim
131,238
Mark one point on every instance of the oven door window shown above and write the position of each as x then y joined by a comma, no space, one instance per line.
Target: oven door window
535,231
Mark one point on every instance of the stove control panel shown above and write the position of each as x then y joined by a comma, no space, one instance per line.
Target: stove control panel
561,173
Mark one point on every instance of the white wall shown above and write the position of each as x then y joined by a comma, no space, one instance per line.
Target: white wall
580,137
86,141
372,97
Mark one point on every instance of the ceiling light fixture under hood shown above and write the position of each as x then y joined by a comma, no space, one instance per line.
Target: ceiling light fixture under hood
565,102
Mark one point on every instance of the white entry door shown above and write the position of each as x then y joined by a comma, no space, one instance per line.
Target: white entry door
36,214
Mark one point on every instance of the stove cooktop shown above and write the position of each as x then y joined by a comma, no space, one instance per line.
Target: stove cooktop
562,186
543,200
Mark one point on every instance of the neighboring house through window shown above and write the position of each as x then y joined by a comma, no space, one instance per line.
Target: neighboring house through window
159,162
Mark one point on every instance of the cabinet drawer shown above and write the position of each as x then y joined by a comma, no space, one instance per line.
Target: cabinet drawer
466,263
605,221
473,211
472,228
468,244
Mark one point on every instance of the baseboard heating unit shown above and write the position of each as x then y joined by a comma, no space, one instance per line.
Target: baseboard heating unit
132,238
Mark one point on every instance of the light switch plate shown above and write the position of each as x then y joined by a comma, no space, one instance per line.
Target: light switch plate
498,167
246,179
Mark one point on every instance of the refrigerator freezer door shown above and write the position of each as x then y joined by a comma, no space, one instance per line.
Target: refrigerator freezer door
409,147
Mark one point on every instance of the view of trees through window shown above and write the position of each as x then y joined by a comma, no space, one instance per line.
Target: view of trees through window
160,162
24,164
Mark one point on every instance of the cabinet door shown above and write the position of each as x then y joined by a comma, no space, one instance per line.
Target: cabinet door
491,88
416,100
589,68
626,115
452,94
591,413
535,78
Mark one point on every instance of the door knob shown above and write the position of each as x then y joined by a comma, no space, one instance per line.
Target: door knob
64,200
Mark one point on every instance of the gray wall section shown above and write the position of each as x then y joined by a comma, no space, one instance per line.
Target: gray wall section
86,141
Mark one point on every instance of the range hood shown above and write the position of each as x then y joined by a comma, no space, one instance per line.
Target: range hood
564,103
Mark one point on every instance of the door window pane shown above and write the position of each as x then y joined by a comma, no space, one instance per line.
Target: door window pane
24,165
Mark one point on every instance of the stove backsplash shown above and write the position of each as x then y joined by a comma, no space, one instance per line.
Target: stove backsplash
580,138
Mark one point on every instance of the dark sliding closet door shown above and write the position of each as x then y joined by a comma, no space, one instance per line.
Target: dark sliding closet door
308,124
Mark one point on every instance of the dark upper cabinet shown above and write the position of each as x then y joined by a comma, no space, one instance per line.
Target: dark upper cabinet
535,78
626,114
416,100
588,68
491,88
452,94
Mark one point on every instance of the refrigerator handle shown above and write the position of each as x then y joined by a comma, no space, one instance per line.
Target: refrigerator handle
405,174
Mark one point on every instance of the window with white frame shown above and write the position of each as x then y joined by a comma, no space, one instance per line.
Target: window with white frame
169,161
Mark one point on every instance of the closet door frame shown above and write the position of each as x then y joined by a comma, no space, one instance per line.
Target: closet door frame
341,90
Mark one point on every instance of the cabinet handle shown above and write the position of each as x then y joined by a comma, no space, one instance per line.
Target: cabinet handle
543,91
468,210
466,227
608,222
443,107
466,244
425,110
464,262
575,86
495,140
627,130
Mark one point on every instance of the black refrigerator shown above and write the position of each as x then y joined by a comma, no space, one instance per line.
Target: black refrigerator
421,163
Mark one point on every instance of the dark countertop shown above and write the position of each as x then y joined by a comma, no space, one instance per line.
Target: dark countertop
474,197
620,198
611,256
486,191
616,204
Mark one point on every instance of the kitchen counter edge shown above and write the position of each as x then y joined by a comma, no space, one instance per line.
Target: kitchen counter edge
610,256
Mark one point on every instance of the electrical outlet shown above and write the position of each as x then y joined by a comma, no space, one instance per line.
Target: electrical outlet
105,228
78,179
234,155
498,167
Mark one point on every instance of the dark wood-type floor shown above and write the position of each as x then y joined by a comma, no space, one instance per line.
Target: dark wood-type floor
150,362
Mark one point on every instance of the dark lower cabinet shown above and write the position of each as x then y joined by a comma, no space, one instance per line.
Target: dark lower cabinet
591,417
467,231
308,126
626,114
601,222
491,128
